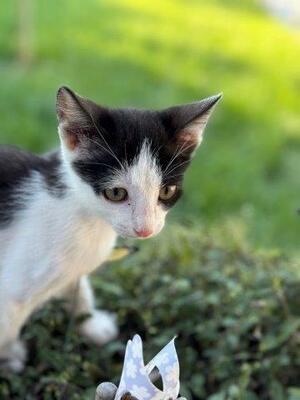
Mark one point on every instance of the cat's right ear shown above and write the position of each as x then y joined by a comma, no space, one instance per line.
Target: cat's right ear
186,123
75,117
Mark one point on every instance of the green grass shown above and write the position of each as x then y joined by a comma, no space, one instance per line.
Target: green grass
235,298
154,54
235,311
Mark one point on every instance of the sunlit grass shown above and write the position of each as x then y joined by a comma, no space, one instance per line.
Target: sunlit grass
153,54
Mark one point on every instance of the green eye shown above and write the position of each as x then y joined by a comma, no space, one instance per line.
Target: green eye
167,192
115,194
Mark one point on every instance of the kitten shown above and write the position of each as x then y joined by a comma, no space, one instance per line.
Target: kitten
118,172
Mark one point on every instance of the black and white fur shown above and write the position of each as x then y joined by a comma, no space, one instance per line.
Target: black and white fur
56,226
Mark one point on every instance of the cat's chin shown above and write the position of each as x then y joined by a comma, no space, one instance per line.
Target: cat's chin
133,235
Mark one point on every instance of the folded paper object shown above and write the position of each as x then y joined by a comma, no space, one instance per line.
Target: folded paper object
135,375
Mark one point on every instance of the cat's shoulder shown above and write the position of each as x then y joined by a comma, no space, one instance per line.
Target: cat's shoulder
10,153
17,168
16,163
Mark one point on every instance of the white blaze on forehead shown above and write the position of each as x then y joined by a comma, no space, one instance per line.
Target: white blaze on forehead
142,176
144,173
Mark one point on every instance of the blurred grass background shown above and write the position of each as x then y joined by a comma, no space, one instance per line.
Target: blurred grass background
243,186
155,54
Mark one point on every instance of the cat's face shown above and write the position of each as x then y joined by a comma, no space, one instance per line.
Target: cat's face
127,165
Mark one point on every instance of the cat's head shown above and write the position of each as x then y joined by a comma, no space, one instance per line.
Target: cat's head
127,165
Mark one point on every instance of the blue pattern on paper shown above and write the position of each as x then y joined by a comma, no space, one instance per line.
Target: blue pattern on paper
135,375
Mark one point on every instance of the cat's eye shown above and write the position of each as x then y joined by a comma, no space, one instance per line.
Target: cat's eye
167,192
115,194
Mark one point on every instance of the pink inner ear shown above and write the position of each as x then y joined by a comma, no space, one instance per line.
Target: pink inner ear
188,139
71,139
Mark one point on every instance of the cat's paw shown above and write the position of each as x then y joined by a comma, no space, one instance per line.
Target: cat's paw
13,357
100,328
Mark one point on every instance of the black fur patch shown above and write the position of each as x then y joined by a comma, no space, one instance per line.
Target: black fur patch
118,138
15,167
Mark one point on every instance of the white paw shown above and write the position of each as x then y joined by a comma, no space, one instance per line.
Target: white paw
13,357
100,328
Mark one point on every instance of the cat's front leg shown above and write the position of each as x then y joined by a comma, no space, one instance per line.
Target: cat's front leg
12,349
101,326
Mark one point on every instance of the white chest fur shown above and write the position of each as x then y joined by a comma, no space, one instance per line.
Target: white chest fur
49,246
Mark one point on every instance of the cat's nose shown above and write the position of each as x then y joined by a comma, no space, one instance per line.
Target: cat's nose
143,232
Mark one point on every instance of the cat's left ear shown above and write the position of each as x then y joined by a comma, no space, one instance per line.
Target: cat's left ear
186,123
76,117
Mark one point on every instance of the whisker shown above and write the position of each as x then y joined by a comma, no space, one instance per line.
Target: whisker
93,163
177,154
174,176
126,153
172,158
177,166
155,152
110,151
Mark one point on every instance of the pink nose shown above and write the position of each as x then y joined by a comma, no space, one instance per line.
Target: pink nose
143,232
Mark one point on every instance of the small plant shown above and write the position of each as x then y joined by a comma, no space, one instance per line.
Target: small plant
236,313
